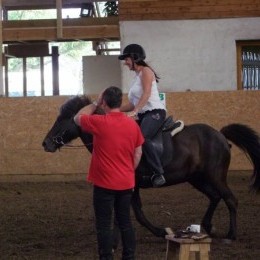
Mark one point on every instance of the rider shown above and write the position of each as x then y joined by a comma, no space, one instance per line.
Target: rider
144,103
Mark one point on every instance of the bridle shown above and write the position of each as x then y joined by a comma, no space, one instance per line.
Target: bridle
59,140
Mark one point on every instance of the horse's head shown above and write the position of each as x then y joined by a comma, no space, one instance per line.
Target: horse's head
64,129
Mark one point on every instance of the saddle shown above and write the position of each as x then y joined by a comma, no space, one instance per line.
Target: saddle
162,139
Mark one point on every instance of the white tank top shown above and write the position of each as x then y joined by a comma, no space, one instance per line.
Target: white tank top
136,91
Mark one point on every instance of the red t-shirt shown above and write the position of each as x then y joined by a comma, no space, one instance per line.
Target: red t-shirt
115,137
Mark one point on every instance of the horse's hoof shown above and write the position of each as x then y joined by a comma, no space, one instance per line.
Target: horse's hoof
213,229
226,241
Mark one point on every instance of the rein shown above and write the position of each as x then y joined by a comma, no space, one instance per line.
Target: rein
72,146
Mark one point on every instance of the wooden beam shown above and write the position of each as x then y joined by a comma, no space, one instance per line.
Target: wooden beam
27,50
59,18
46,30
189,9
42,4
86,21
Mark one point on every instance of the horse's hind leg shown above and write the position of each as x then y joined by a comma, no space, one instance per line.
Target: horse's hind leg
214,199
232,204
215,192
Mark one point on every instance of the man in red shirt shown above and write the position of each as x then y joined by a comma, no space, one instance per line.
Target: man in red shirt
117,150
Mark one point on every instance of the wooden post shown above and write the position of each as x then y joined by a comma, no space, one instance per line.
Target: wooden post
42,76
6,78
1,55
24,77
59,19
55,70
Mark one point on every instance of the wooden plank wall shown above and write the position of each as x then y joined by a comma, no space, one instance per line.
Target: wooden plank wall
21,152
186,9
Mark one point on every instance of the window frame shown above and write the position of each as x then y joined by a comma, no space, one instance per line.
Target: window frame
239,45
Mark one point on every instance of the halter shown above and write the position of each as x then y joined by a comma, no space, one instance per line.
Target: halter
58,139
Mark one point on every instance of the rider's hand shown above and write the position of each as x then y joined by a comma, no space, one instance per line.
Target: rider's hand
132,114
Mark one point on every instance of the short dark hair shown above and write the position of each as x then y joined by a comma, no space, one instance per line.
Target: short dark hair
113,97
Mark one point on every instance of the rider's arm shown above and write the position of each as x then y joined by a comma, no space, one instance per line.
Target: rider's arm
137,156
127,107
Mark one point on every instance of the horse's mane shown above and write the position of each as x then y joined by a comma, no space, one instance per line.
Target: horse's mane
73,105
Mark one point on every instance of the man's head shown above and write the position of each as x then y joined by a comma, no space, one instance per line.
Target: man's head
112,97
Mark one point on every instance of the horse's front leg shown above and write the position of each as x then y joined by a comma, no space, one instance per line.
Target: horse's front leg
140,217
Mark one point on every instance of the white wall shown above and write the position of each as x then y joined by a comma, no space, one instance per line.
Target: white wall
190,54
100,72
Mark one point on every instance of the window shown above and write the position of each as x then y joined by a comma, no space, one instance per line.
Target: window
248,65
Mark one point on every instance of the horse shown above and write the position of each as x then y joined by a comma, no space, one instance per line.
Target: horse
200,156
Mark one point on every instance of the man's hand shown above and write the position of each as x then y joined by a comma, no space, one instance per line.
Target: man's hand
87,110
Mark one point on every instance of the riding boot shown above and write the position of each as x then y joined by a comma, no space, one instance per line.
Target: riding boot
158,180
105,244
153,159
128,242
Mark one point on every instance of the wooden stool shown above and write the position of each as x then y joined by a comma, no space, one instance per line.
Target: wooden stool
187,248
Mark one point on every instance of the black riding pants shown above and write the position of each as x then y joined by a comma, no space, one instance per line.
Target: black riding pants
150,122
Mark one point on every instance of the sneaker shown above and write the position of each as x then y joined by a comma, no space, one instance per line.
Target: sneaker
158,180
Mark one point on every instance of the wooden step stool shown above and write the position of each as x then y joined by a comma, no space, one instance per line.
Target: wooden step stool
187,248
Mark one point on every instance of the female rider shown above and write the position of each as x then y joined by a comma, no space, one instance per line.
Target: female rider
144,103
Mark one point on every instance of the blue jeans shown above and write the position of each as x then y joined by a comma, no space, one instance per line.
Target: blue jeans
106,202
150,122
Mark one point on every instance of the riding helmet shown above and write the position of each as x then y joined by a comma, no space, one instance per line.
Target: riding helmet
134,51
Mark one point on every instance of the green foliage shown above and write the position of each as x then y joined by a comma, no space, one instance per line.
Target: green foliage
32,14
111,8
73,49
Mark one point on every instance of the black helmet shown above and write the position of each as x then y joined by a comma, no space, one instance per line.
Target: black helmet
134,51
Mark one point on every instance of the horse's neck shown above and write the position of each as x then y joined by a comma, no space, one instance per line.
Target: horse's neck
87,140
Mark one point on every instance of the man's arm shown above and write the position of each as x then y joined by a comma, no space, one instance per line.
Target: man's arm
87,110
137,156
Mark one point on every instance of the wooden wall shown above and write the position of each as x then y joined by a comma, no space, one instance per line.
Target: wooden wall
186,9
24,123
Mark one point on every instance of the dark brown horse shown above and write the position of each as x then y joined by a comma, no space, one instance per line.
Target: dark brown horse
200,156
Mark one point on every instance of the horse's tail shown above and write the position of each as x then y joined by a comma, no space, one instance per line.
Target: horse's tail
248,141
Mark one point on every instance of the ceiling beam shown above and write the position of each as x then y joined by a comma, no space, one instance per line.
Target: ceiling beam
42,4
46,30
